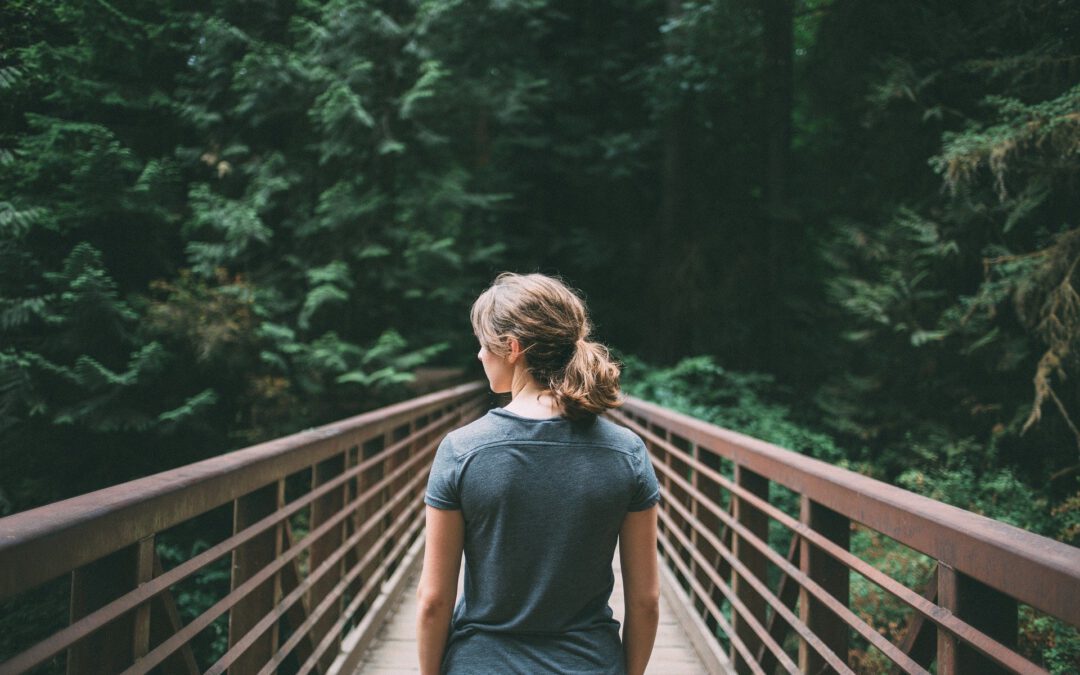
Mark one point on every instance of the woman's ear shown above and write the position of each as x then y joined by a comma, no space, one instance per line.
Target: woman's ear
515,350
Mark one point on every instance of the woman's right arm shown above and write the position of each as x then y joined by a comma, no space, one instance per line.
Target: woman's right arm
641,587
438,585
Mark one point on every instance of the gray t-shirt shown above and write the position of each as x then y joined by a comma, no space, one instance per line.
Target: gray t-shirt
543,501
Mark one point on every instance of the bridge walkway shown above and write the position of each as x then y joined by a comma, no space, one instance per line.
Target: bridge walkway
394,647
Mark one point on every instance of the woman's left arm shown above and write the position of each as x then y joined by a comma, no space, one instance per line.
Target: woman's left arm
437,592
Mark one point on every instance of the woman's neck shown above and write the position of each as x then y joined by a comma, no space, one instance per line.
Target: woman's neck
529,399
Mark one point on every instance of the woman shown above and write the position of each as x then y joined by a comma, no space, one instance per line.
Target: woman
537,494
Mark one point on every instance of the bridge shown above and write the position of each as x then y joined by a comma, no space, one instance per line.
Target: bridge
318,537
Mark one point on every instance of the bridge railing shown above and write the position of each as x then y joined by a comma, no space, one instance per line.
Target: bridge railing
318,528
715,524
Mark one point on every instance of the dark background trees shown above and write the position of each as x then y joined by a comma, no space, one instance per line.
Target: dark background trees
221,222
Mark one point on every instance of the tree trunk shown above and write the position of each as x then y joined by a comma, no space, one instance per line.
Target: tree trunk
669,291
777,84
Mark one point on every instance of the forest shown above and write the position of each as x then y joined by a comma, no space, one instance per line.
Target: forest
848,227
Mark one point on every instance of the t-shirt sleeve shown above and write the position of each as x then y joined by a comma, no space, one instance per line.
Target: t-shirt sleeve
443,481
647,490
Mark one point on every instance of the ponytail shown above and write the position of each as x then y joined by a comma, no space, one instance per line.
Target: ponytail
589,384
552,325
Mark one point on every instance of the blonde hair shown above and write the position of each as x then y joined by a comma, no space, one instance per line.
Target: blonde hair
551,323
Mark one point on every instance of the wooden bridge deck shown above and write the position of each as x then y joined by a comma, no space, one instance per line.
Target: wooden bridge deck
394,649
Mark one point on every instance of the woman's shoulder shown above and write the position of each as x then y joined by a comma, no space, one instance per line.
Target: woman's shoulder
497,426
481,431
618,433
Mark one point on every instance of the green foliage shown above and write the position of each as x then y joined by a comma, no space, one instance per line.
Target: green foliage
236,223
878,608
197,594
52,377
258,207
996,493
1045,639
1038,136
750,403
951,277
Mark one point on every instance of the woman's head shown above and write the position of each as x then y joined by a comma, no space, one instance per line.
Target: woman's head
550,323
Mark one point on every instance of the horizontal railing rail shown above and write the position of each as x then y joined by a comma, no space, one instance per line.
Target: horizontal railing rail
292,597
715,525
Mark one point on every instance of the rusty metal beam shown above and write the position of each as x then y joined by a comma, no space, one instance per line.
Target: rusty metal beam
322,509
777,605
92,586
1028,567
753,520
247,560
803,580
920,637
114,610
46,542
714,610
206,618
739,609
833,576
164,621
788,592
987,609
943,618
297,612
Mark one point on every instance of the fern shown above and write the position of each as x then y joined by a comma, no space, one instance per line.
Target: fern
1047,132
16,223
237,224
9,76
318,297
192,408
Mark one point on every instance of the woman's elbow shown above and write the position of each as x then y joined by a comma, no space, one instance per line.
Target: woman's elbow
431,604
645,604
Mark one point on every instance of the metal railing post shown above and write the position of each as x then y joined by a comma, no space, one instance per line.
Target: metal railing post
247,560
755,561
111,648
144,571
832,575
990,611
322,509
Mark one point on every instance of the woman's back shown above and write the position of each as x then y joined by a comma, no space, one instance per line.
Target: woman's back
536,495
543,501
